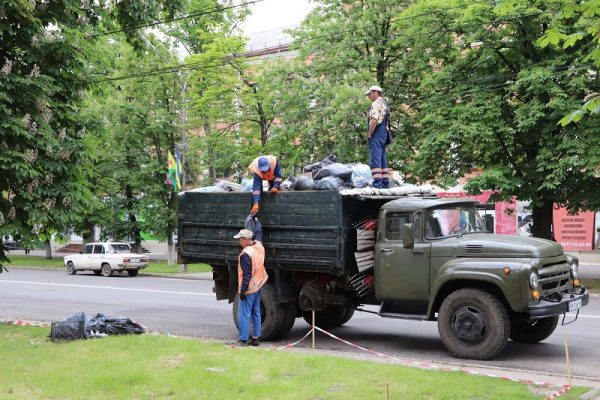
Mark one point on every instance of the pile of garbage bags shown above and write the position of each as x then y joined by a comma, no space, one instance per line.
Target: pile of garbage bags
327,174
80,326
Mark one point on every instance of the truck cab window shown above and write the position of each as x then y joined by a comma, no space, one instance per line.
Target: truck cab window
395,226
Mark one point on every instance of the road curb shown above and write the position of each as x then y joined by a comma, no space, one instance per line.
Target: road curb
178,276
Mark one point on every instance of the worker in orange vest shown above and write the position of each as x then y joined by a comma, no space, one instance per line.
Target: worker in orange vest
264,168
251,278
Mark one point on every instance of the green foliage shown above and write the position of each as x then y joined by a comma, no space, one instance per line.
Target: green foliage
585,18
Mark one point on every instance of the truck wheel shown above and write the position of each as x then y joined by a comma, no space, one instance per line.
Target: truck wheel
71,268
271,314
331,317
288,320
473,324
349,314
106,270
534,331
132,272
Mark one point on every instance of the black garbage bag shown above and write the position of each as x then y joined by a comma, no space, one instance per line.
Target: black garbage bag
72,328
336,169
116,326
329,183
80,326
304,183
315,167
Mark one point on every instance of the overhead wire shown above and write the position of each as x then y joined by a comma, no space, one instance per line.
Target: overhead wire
198,65
182,17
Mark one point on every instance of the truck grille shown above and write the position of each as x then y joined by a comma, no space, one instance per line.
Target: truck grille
554,278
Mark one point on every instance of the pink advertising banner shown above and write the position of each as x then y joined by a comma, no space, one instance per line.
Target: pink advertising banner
573,232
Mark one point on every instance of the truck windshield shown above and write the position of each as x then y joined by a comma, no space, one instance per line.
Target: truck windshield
120,248
445,222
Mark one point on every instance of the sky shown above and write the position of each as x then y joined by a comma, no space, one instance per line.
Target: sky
270,17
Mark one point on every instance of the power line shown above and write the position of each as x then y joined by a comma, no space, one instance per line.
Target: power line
165,21
198,66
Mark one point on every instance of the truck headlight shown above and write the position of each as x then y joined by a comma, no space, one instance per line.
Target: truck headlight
534,280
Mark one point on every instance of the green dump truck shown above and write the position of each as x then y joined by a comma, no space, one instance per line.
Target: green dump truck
415,257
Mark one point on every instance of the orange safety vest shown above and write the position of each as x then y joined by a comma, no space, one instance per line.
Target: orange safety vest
268,175
256,251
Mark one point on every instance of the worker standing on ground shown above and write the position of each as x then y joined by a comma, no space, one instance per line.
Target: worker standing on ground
378,137
251,278
264,168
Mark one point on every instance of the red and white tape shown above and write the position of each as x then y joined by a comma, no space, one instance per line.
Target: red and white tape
421,364
21,322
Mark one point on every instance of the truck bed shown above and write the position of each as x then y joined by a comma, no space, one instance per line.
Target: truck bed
303,231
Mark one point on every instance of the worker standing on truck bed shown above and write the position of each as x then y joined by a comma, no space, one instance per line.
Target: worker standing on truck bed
378,137
264,168
251,278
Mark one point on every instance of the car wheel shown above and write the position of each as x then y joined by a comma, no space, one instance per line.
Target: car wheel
132,272
106,270
71,268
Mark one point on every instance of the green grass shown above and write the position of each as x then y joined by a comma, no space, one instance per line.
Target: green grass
161,367
153,266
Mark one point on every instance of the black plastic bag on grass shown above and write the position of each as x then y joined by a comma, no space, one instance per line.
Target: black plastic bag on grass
72,328
116,326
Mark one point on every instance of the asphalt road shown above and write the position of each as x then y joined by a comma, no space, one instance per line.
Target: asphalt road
188,308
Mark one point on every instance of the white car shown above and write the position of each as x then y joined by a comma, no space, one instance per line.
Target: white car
105,258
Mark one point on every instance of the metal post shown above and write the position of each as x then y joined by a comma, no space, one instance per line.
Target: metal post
183,267
313,329
568,362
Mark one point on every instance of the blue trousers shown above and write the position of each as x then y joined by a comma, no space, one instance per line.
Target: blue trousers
378,159
249,308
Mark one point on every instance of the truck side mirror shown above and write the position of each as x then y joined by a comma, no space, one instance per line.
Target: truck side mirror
408,242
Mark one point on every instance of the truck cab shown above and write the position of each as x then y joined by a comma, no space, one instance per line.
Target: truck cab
434,259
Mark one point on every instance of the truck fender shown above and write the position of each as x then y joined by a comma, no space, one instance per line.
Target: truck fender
485,274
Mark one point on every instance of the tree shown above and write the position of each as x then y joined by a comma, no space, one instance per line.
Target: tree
499,98
584,16
43,77
344,47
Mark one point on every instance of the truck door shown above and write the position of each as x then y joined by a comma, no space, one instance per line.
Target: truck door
401,275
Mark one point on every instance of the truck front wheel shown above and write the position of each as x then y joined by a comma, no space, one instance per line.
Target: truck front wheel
272,315
473,324
534,331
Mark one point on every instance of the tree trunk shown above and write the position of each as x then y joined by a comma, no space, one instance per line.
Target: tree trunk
542,220
48,248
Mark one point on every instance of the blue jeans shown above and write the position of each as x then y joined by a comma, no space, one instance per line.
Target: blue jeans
246,309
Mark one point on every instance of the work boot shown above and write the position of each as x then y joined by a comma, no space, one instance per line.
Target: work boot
242,343
255,341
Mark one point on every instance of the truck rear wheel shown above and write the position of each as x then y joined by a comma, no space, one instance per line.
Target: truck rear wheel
331,317
534,331
288,320
272,315
473,324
